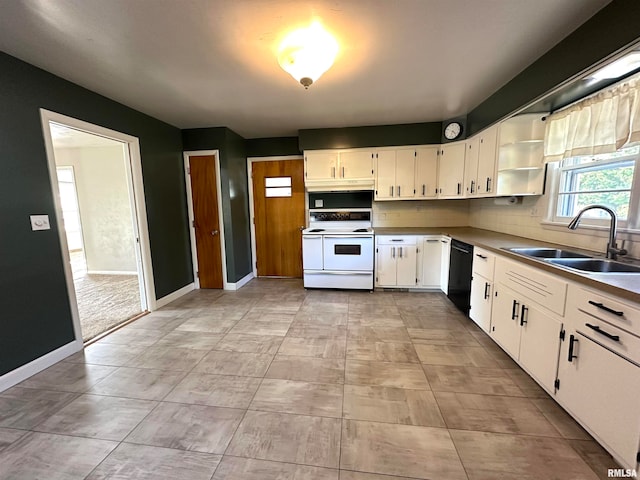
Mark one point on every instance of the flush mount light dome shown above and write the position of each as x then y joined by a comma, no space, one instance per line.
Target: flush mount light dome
307,53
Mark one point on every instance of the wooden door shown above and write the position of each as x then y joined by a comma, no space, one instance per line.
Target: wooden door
206,224
279,217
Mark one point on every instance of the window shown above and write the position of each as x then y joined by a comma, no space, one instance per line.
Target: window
277,186
606,179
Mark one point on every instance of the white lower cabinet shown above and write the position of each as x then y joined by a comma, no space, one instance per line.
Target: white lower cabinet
396,261
429,261
482,288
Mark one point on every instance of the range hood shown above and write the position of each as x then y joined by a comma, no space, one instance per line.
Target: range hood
339,185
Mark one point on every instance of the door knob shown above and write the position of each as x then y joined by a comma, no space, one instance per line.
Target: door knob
214,232
301,227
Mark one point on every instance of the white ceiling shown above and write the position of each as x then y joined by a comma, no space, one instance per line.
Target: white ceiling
203,63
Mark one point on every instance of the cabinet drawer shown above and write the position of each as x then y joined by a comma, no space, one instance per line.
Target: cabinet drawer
621,342
395,240
483,263
547,290
606,308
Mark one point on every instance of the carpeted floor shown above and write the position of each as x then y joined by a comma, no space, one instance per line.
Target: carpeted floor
104,301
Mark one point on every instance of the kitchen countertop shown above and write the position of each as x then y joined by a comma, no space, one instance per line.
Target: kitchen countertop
626,286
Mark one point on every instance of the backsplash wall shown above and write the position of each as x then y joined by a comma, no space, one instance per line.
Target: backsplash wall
524,220
422,213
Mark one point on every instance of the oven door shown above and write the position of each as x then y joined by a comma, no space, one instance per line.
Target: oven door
348,253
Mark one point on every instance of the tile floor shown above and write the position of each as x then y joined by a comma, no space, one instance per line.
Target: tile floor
273,382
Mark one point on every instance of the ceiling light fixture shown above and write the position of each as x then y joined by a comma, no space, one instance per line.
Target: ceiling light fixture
307,53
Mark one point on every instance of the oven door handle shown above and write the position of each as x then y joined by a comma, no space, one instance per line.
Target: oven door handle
346,236
312,236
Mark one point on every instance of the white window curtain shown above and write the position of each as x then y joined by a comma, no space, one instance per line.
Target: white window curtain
602,123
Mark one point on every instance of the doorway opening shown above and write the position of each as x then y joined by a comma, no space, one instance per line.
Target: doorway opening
92,177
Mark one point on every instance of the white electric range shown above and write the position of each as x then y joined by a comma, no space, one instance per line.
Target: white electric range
337,249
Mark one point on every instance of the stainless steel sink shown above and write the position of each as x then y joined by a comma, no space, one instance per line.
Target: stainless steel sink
547,253
594,265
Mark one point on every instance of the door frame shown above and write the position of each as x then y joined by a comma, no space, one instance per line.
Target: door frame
192,231
252,218
137,199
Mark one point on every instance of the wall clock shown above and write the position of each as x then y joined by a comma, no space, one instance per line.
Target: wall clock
453,130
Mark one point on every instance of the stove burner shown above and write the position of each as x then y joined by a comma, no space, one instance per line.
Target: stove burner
316,230
358,230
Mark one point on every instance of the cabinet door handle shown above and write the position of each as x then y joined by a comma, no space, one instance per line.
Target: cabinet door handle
488,184
596,329
424,187
605,308
398,190
483,257
432,241
393,252
459,187
333,172
400,248
514,310
342,172
391,190
472,185
486,290
572,341
522,312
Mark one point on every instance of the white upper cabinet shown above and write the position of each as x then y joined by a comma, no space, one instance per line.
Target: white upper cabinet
426,176
480,164
451,170
395,174
520,156
339,169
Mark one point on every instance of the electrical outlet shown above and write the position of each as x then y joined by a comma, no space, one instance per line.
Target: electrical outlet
534,211
40,222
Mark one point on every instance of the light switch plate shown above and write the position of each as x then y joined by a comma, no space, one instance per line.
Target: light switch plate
40,222
319,203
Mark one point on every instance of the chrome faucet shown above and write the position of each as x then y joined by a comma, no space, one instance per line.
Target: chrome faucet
612,247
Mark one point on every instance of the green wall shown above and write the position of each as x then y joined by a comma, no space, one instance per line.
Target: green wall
36,314
235,196
272,147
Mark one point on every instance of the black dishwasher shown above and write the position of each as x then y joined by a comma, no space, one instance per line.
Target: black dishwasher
460,275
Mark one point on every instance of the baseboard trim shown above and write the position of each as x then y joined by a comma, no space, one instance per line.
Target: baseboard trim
161,302
39,364
110,272
240,283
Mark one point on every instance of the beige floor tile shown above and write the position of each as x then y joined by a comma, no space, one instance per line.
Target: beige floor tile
317,305
367,298
378,334
242,342
287,396
263,323
381,351
142,383
24,408
598,459
374,309
492,413
128,335
94,416
168,358
215,390
106,354
371,320
236,468
180,339
525,383
283,306
307,369
487,456
391,405
158,322
501,357
488,381
317,331
210,324
47,456
9,436
235,363
454,355
421,310
404,450
400,375
326,319
442,337
439,322
69,377
196,428
288,438
331,347
141,462
349,475
560,419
